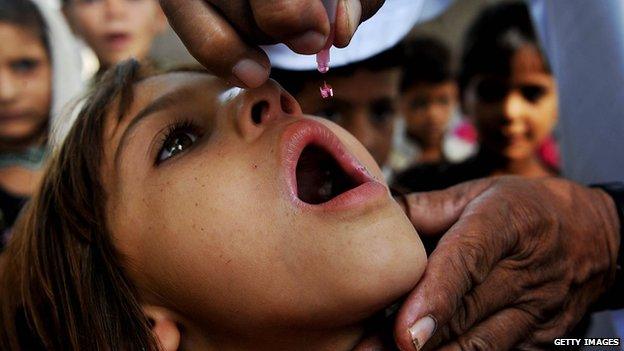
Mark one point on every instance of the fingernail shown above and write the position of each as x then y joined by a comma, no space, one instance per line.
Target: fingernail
421,331
354,14
309,42
250,72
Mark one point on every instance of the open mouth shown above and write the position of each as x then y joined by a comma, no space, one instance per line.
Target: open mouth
322,174
320,177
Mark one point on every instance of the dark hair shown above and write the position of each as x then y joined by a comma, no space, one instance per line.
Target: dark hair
294,81
492,40
25,14
61,278
427,60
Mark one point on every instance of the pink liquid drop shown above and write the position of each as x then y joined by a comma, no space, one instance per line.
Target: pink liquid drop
326,90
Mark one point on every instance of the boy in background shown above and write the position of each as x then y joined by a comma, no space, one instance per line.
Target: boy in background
428,99
116,30
364,101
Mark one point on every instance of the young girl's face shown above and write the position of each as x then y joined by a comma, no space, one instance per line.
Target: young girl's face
247,218
116,29
515,114
25,80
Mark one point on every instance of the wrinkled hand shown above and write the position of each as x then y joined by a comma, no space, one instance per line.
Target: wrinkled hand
224,35
519,264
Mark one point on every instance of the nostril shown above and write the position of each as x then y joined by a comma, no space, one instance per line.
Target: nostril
257,110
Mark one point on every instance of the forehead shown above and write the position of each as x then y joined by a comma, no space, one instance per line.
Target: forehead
527,60
154,88
19,40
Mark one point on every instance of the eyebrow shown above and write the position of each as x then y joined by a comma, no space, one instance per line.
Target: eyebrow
163,102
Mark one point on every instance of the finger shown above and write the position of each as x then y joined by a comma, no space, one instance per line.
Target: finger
303,25
500,289
502,331
215,44
436,211
463,259
349,15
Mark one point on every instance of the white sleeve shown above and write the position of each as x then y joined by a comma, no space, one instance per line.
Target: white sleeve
584,41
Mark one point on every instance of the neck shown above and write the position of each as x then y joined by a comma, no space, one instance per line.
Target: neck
343,339
527,167
430,154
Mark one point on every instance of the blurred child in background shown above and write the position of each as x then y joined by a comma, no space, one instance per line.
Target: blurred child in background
508,91
26,102
428,97
364,101
116,29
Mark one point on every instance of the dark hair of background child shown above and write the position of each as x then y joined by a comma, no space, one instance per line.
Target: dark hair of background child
25,14
493,39
427,60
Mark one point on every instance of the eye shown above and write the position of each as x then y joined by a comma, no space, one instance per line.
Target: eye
178,139
330,113
381,111
25,65
532,93
419,103
491,90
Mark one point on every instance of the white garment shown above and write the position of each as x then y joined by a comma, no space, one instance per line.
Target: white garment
382,31
584,41
66,64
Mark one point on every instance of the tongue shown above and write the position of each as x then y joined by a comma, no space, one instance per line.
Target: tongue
319,177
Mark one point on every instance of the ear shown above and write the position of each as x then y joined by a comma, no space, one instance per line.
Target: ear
164,327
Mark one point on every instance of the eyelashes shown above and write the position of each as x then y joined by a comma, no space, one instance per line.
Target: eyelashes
177,139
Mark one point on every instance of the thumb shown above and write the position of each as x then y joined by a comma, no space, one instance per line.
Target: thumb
459,263
433,213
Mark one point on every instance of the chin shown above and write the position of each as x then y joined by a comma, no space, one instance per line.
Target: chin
369,254
379,260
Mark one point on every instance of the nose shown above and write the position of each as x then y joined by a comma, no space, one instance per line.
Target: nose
8,88
360,126
259,107
513,107
114,9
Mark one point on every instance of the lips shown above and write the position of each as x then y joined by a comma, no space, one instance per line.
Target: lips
321,173
117,39
11,116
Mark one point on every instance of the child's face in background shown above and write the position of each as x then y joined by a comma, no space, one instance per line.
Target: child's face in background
213,204
427,109
116,29
364,104
514,114
25,84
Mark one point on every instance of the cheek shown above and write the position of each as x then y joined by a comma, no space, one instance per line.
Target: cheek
37,92
544,118
213,227
88,22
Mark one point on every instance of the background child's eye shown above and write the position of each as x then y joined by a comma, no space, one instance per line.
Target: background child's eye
381,112
532,93
176,141
24,65
330,113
